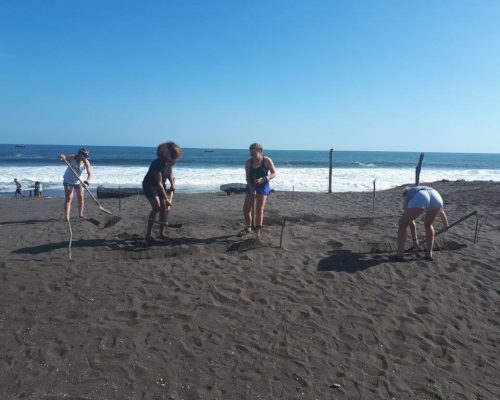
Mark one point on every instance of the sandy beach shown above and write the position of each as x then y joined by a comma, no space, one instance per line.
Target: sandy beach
208,315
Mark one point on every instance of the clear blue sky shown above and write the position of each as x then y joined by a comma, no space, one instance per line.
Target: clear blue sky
352,75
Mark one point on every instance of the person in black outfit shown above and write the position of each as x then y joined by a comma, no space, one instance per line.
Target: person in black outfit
154,185
259,171
18,189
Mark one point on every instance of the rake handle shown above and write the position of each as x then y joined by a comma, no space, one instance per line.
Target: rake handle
451,225
85,187
457,222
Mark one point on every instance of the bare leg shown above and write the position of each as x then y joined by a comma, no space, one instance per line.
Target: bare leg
163,210
429,231
81,201
155,208
68,198
248,209
259,217
406,219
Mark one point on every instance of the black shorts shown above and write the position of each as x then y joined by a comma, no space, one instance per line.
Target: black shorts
151,191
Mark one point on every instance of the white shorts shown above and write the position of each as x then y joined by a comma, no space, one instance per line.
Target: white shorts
427,200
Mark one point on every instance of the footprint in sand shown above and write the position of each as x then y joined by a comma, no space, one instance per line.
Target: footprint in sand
421,310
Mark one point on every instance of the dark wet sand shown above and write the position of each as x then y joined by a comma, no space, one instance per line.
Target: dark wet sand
210,316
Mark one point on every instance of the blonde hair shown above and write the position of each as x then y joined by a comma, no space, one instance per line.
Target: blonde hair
173,149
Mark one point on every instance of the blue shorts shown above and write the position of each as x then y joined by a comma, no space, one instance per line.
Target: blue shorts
73,185
427,200
264,189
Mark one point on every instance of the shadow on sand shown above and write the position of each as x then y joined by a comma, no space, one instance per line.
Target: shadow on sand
29,221
347,261
131,243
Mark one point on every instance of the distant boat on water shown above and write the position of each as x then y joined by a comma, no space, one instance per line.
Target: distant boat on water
20,145
209,151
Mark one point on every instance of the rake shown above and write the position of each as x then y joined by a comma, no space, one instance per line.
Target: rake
104,210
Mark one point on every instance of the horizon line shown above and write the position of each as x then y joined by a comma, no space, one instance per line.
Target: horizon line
246,149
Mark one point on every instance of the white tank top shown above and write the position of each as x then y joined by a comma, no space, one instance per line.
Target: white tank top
69,177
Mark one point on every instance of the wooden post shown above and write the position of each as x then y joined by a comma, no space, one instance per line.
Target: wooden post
373,202
281,236
119,198
417,170
476,230
330,174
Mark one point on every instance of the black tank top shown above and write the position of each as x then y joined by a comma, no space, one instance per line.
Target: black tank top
261,171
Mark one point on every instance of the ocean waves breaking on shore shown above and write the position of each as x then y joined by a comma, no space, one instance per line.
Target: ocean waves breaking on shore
197,180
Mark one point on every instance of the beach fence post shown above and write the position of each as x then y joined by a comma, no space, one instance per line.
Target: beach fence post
330,172
281,235
418,169
373,200
475,230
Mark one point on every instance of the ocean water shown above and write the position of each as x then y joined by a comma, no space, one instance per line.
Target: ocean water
204,170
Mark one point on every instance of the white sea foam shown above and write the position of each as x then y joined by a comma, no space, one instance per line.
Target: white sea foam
210,179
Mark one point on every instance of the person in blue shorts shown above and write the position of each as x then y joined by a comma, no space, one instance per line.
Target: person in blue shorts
259,171
416,201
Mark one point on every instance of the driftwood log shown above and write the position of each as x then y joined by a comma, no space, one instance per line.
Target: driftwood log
115,193
233,188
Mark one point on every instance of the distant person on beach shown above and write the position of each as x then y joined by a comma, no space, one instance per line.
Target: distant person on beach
259,171
416,201
77,163
155,189
38,190
18,189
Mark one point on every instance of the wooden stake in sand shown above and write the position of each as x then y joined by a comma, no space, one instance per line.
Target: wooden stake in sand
417,170
281,236
373,202
476,230
330,173
70,239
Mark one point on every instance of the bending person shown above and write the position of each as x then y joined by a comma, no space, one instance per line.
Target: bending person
78,163
259,171
154,186
416,201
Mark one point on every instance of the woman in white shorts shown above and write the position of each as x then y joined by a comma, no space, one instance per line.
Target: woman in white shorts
416,201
